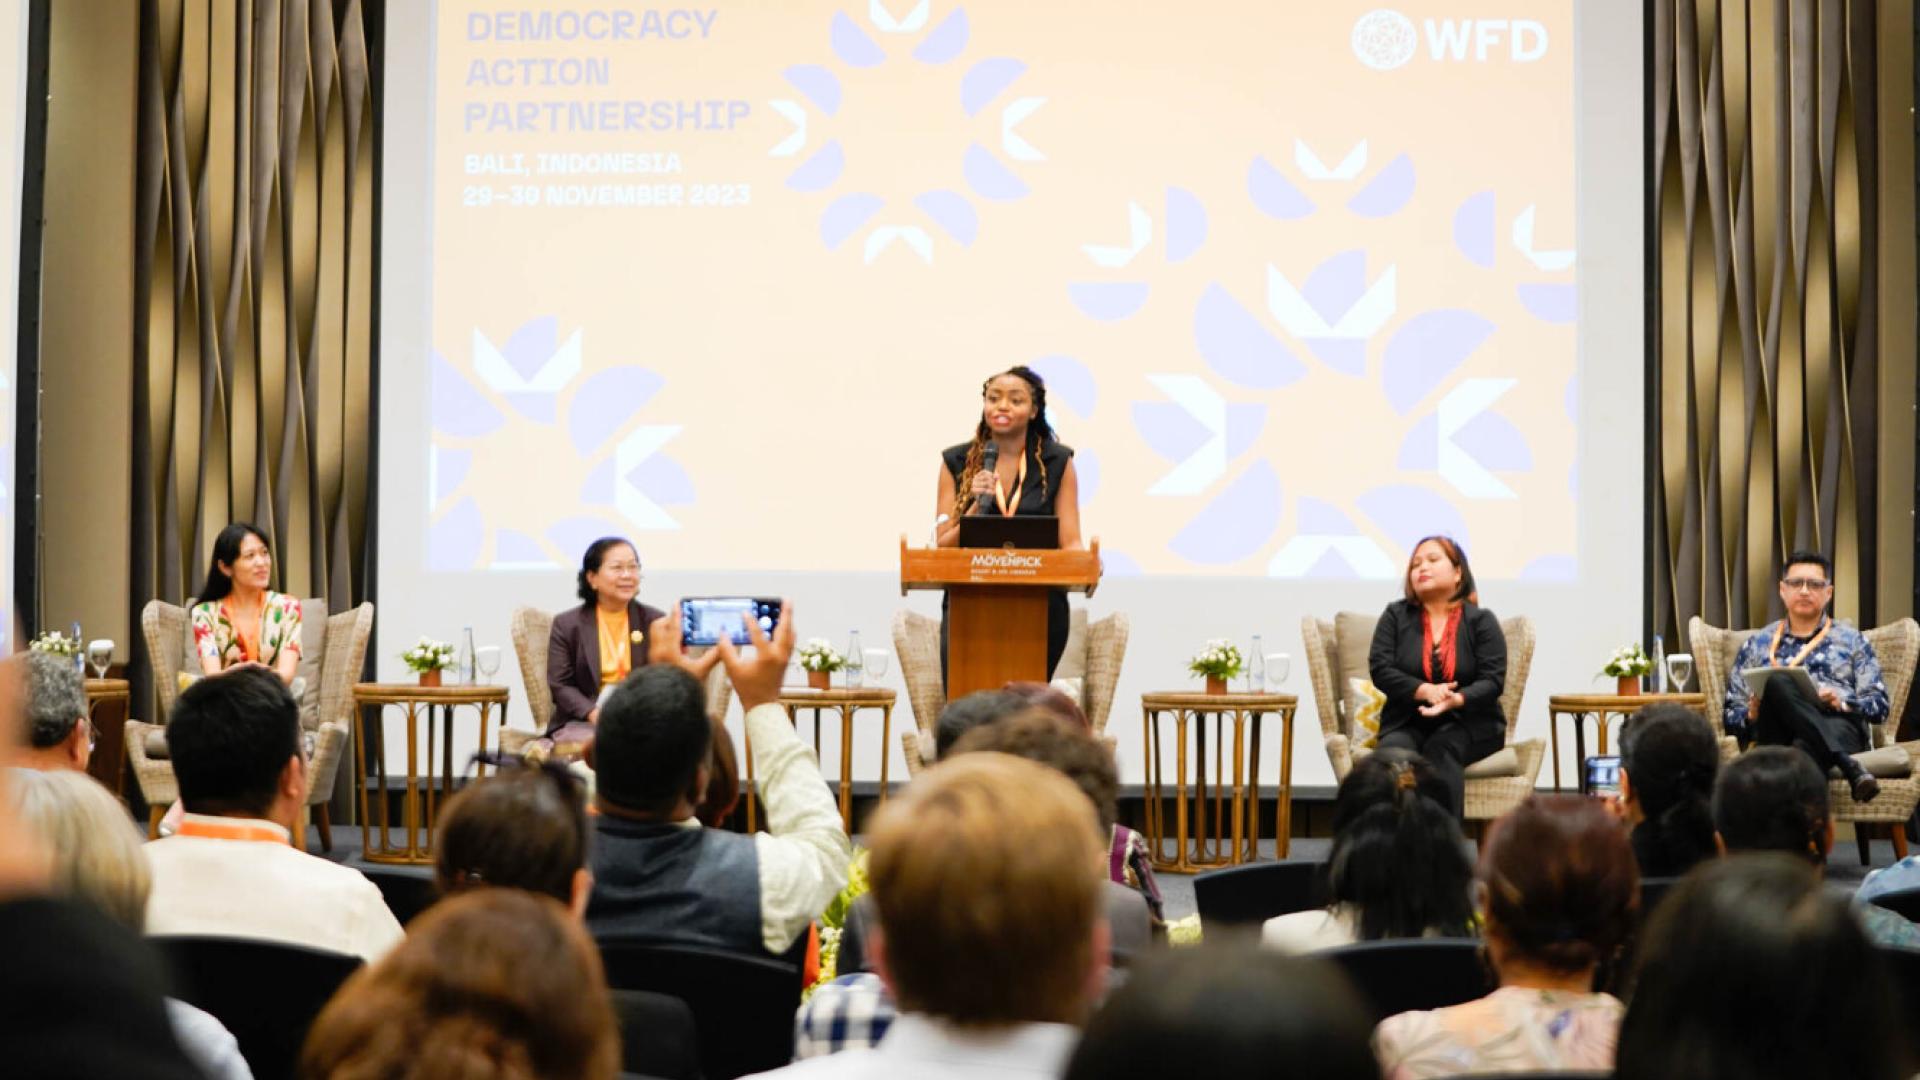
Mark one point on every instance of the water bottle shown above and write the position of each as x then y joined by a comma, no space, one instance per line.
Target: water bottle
1659,665
1257,667
856,668
79,652
464,663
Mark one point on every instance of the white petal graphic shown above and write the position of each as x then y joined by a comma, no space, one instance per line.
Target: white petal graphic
1301,552
1456,466
1523,242
913,236
553,376
1139,235
884,21
1016,147
796,115
627,456
1313,168
1208,463
1359,322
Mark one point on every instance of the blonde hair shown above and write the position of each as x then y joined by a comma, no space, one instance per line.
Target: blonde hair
986,857
96,848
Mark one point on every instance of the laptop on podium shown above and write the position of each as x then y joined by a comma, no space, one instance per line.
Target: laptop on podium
995,531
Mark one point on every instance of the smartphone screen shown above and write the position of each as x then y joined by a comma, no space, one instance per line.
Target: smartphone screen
1602,777
705,620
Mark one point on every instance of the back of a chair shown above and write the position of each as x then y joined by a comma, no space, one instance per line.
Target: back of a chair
408,890
1713,652
1520,641
1903,968
1318,637
342,657
532,630
1897,646
266,993
743,1006
1250,895
1415,974
164,626
916,640
1106,650
658,1035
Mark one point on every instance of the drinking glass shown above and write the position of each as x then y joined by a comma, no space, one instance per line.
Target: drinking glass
488,657
100,655
877,660
1278,665
1679,670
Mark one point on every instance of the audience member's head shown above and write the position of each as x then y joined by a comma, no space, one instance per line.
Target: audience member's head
96,848
1773,798
1051,698
988,913
1046,738
1398,859
1751,968
652,750
1211,1011
234,740
493,983
525,828
1668,760
963,714
1559,885
59,735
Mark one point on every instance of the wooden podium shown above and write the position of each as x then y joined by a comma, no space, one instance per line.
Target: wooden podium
997,606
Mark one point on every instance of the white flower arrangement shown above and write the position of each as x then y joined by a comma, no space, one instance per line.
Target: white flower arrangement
1220,659
55,642
1628,661
428,655
818,654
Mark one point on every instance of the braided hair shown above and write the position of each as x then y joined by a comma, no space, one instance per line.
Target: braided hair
1039,434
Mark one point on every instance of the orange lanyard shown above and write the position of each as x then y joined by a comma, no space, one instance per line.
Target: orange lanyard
230,829
1773,653
249,650
1009,506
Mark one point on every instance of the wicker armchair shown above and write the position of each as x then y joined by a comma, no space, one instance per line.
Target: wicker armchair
532,629
1894,764
1495,784
1094,652
333,650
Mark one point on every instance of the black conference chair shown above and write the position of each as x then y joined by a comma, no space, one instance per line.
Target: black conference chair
1416,973
1903,902
266,992
408,891
658,1037
1252,894
1903,967
742,1006
1652,891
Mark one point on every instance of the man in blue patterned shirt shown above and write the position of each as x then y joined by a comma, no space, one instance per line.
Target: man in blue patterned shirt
1851,695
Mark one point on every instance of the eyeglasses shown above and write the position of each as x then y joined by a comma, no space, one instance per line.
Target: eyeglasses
1805,584
620,568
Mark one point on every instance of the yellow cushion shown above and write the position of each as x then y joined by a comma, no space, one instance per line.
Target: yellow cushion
1364,702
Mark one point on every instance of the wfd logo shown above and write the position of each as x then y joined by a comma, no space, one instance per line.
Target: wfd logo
986,561
1384,39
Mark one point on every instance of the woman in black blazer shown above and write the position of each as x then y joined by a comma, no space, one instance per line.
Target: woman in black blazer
1441,661
603,640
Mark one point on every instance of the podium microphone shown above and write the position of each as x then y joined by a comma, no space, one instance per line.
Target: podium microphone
989,461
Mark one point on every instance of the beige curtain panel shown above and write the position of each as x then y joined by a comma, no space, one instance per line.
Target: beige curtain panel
254,291
1766,302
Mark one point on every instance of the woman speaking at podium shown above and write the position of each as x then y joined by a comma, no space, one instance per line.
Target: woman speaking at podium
1013,467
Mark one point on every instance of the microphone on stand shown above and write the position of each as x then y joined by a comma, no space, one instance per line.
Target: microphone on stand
989,461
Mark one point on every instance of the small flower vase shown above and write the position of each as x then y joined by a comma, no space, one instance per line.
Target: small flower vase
1629,686
1216,685
819,680
430,678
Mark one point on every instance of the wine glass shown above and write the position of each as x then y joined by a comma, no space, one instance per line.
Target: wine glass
100,655
488,658
877,660
1279,664
1679,670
